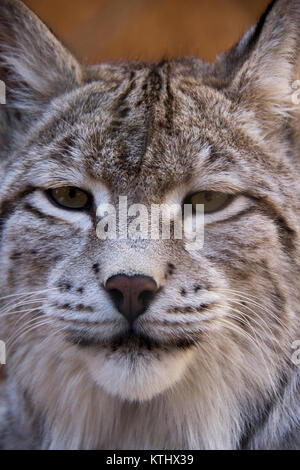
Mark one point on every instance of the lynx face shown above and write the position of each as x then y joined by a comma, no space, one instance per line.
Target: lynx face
141,317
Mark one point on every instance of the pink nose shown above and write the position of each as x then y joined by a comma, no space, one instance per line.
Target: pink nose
131,294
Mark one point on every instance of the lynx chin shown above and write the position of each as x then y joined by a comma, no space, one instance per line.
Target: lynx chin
140,343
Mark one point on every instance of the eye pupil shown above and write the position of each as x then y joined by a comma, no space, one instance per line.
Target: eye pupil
72,192
208,196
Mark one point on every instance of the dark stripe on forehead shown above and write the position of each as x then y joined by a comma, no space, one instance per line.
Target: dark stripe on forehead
123,96
133,133
121,108
151,95
169,104
155,85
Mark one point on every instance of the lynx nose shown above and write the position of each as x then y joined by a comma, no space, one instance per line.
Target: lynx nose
131,294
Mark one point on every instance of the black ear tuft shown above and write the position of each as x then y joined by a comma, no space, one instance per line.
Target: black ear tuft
260,24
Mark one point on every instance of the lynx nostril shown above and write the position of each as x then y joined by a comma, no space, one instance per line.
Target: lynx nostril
116,296
131,294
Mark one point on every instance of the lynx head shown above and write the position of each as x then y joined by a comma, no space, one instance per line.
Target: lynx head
140,316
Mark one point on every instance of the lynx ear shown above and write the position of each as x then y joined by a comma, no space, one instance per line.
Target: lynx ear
34,65
263,67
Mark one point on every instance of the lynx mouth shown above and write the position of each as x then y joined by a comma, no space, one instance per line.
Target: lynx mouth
134,367
129,341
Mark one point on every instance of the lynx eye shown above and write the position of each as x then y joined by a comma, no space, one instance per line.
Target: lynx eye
70,197
213,201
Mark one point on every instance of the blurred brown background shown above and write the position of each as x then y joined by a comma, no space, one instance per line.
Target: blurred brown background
98,30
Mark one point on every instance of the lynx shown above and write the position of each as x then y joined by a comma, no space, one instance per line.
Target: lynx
143,344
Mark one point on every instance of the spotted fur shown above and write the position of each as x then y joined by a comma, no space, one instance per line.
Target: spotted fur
209,365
